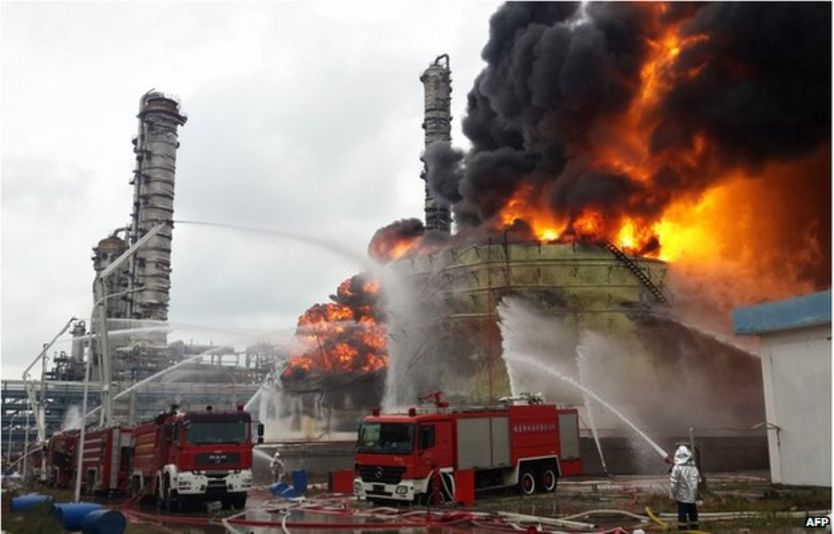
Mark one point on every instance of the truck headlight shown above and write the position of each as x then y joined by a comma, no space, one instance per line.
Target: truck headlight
357,486
402,490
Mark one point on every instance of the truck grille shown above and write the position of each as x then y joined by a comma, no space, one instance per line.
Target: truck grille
208,459
381,474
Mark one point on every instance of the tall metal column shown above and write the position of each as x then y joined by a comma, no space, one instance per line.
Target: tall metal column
153,181
437,86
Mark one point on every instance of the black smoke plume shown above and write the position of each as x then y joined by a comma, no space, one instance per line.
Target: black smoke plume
558,74
396,239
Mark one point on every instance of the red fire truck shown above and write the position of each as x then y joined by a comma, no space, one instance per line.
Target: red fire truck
523,443
203,456
61,456
105,460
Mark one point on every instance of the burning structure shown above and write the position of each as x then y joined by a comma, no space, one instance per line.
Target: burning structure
343,345
629,168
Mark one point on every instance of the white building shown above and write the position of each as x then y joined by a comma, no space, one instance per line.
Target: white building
796,366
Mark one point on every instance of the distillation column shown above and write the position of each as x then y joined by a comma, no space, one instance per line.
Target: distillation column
437,86
153,200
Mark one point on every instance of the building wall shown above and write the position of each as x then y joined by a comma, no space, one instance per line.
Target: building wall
796,365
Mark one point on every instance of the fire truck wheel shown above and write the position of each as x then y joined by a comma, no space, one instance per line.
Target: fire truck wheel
547,480
236,502
527,482
437,499
135,486
171,503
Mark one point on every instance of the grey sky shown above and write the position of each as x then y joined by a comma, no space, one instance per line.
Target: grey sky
303,117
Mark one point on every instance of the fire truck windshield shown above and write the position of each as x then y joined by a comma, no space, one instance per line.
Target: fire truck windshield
386,438
217,432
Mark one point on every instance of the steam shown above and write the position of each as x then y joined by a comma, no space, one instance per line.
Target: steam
72,418
655,374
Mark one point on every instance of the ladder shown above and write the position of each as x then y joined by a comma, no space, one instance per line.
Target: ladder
638,272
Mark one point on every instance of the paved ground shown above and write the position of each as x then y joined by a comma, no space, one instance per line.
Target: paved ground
766,506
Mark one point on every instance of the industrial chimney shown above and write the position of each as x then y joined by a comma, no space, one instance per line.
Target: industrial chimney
437,85
153,203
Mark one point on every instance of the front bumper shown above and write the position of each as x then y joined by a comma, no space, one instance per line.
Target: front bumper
198,483
405,491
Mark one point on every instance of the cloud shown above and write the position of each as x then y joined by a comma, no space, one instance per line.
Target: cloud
303,117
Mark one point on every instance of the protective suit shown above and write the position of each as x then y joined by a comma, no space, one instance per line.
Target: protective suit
684,480
685,476
278,467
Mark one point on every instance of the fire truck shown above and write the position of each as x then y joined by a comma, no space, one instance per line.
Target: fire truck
182,457
418,456
105,460
61,456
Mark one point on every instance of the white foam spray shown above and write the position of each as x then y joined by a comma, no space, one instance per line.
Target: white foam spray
72,418
541,367
589,409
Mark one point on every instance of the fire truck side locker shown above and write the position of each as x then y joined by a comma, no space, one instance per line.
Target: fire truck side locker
483,443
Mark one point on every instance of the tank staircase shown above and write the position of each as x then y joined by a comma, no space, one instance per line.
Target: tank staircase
638,272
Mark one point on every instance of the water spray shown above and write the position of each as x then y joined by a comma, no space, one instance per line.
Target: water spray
580,358
523,359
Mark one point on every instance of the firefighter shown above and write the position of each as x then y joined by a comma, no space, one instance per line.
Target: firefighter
278,467
684,480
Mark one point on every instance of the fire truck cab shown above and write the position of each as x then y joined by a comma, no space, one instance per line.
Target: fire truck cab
527,444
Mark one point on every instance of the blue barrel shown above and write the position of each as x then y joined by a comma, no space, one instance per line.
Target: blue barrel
289,493
24,502
277,488
104,522
71,514
299,480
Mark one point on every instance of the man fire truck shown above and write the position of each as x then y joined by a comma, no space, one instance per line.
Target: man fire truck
203,456
61,455
105,460
418,456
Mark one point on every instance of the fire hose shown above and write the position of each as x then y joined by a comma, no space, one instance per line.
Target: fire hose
391,518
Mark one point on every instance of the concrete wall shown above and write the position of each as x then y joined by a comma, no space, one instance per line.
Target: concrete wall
796,365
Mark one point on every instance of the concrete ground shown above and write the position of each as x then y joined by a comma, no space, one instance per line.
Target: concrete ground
767,506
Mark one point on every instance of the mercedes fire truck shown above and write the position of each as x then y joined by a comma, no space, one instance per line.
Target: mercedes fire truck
418,456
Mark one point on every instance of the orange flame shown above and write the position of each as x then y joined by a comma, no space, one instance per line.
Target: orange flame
343,336
625,151
749,233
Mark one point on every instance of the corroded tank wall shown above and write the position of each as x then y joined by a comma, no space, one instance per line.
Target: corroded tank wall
453,312
593,316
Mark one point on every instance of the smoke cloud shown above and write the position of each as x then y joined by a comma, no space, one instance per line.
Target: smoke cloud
396,239
627,108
